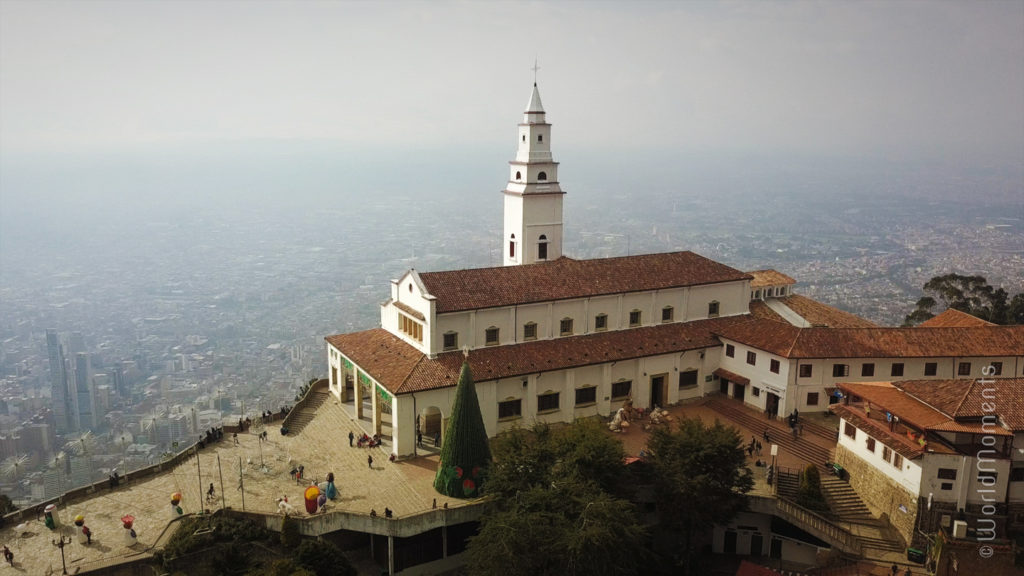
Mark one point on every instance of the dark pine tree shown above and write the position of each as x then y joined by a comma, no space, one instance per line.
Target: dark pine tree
466,453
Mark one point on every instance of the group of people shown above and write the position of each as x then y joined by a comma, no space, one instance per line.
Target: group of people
755,446
794,424
211,436
364,440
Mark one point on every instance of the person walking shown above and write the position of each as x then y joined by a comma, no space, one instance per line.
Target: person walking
437,439
419,439
351,437
211,494
369,461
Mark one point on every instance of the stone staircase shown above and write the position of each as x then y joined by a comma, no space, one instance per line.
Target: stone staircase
303,412
780,434
844,501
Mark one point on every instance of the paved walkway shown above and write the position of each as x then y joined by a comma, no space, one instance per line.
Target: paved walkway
406,487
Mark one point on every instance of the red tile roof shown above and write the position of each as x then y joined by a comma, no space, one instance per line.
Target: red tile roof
769,278
967,399
890,398
822,342
880,431
402,369
758,309
731,376
820,314
567,278
953,318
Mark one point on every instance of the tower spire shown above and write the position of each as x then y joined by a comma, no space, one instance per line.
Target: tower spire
535,68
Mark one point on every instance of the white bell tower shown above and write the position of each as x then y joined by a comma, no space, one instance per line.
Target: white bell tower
533,198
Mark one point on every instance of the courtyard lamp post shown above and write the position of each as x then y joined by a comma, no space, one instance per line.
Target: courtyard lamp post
61,544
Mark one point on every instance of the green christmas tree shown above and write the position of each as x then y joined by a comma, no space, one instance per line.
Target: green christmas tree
466,453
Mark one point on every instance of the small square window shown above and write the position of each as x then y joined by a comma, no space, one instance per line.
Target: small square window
897,369
886,453
867,370
510,409
634,318
897,461
946,486
752,358
565,327
730,350
755,392
931,368
547,402
850,430
812,398
774,366
871,444
688,379
947,474
491,336
805,370
621,390
601,322
713,309
667,314
964,369
451,340
995,369
530,331
840,370
586,395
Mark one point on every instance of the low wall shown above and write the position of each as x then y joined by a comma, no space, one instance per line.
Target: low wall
880,492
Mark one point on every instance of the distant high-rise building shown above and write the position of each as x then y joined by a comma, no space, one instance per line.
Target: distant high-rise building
58,384
83,393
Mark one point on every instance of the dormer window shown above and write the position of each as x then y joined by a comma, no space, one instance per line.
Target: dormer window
542,176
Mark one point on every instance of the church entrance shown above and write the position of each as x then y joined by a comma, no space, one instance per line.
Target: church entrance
430,425
659,390
771,405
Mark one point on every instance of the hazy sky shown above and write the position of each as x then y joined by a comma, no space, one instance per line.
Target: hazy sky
889,79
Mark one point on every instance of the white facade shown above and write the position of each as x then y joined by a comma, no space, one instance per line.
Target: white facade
533,196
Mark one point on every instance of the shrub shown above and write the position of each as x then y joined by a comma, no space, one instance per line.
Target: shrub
809,493
323,559
289,533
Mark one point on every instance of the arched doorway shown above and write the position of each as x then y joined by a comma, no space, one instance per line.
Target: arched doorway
430,424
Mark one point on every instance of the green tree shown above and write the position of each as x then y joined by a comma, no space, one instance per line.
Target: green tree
289,532
323,559
809,493
701,480
554,507
466,453
970,294
6,505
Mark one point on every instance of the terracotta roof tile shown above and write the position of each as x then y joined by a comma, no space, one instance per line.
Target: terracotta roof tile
820,314
898,442
758,309
567,278
403,369
944,395
823,342
953,318
769,278
731,376
890,398
971,428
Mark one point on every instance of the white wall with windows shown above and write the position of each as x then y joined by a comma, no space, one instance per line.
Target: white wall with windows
904,472
768,373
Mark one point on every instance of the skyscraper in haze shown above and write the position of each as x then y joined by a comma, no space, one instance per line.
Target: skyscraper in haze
84,411
58,383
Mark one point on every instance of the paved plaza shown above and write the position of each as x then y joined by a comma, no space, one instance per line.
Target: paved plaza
405,486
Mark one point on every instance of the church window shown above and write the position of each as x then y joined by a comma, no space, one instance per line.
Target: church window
667,314
512,242
897,369
634,318
867,369
510,409
451,340
491,336
524,137
688,379
601,322
542,176
540,137
620,390
931,368
805,370
586,395
730,350
519,175
542,246
712,309
410,327
964,369
530,331
565,327
547,402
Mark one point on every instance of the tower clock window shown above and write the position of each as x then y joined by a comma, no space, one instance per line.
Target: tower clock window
542,176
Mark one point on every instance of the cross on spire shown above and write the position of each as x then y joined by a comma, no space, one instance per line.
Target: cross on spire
535,68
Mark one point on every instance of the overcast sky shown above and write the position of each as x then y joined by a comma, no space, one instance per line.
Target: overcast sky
839,78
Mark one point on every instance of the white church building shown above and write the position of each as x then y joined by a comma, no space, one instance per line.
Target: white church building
551,338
